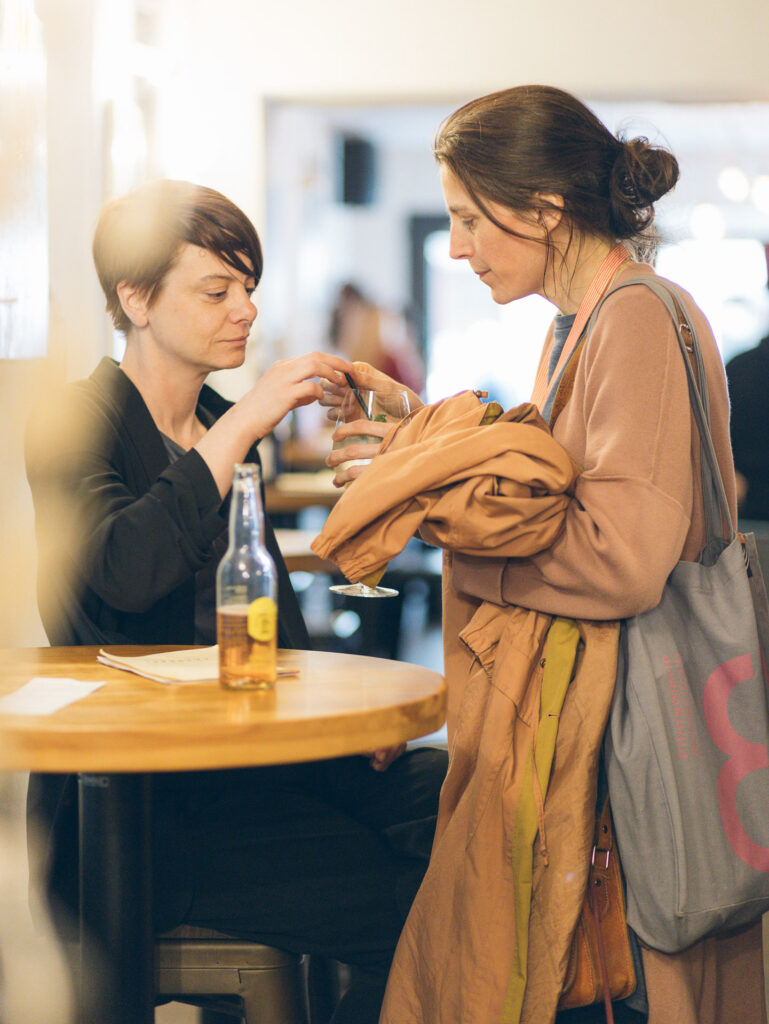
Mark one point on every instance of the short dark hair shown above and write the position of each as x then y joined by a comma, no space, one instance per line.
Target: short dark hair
139,236
512,145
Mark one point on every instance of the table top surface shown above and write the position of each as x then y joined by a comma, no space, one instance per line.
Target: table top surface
338,704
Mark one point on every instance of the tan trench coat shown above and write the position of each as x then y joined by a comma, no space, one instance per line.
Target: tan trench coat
493,490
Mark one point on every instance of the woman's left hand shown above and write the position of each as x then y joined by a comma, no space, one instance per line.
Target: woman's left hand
333,393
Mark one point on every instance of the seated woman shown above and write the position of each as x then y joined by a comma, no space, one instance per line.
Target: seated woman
130,472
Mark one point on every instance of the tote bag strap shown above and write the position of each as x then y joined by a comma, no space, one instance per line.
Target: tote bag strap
716,507
715,504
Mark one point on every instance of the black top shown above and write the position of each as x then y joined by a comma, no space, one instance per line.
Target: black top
122,533
205,578
137,527
748,378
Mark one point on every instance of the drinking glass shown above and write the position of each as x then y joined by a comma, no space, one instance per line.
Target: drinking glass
385,406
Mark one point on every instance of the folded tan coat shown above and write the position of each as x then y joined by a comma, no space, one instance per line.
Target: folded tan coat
500,489
491,490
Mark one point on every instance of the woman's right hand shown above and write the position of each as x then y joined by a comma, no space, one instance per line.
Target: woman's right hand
288,384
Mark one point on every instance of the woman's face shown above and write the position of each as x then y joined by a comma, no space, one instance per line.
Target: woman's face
202,314
511,266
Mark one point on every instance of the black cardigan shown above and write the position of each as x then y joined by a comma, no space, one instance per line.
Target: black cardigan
121,533
137,527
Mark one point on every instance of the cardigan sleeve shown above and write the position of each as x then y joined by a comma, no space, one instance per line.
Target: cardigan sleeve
628,523
129,543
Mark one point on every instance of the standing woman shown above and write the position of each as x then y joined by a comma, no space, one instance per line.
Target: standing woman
543,199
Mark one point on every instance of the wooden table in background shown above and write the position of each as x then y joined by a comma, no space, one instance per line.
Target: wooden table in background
306,454
292,492
339,704
298,555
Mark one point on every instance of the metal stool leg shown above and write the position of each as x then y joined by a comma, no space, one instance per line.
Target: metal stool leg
274,996
215,1017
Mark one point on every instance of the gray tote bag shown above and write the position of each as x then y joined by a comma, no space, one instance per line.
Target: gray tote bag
686,744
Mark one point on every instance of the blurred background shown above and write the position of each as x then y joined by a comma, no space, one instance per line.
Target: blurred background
317,119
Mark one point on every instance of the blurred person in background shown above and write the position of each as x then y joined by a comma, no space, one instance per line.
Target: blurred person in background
361,331
130,472
748,377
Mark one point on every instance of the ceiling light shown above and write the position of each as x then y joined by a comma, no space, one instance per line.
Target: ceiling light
734,184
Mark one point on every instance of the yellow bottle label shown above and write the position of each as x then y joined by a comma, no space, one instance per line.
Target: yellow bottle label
262,619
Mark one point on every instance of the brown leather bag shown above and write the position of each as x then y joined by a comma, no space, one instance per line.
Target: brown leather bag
601,960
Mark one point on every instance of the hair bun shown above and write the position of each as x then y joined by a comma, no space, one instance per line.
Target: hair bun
642,174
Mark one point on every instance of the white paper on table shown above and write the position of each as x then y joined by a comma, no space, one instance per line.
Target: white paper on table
189,666
43,695
200,665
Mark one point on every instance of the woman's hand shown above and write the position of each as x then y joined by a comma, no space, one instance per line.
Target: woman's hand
364,376
287,385
380,760
355,450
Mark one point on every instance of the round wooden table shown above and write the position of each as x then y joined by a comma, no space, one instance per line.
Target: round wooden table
338,704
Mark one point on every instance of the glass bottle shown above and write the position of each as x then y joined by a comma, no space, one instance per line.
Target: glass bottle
246,592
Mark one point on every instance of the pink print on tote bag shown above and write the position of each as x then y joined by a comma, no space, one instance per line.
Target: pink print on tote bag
743,757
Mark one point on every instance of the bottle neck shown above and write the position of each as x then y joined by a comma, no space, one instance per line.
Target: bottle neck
246,514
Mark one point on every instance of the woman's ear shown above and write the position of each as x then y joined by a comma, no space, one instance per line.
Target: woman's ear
133,303
549,209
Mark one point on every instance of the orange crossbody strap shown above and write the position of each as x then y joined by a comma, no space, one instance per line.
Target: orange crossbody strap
596,288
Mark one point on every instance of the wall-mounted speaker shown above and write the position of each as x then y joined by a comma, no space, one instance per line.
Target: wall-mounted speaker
357,171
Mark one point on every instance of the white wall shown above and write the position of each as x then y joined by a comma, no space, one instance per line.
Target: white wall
685,49
226,58
444,51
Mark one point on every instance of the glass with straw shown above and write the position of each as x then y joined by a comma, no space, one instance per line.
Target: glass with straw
388,405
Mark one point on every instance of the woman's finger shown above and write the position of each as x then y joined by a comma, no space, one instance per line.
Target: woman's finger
347,475
333,394
351,452
365,428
